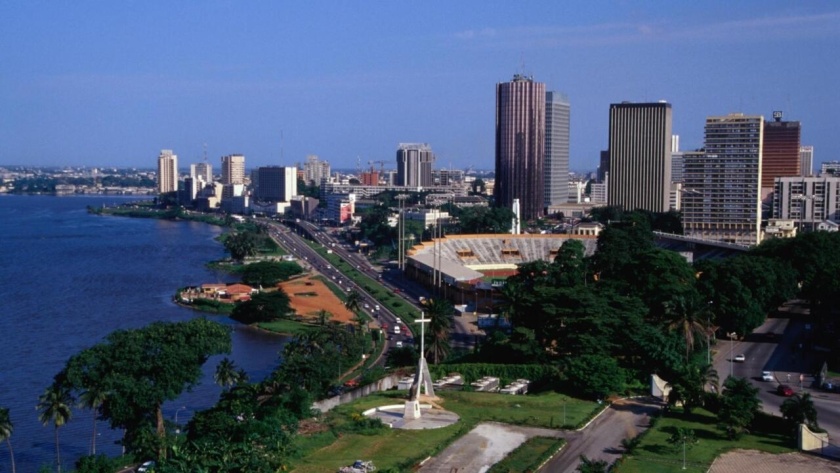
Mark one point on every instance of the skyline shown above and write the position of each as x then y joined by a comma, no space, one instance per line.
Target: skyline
100,84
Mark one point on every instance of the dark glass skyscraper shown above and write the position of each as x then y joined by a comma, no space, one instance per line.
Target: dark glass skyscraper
414,165
520,145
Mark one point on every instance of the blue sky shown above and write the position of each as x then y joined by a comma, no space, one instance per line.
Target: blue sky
111,83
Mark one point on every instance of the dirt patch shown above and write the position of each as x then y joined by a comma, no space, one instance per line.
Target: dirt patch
751,461
308,296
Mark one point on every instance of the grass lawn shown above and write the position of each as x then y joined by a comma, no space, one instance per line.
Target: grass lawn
288,327
528,456
400,448
654,454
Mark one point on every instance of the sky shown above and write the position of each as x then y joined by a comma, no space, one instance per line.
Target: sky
111,83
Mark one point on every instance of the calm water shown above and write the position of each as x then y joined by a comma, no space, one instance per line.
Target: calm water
67,279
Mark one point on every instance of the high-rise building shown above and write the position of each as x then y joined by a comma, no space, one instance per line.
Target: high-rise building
314,170
233,169
830,168
806,160
603,167
556,174
780,155
275,184
203,171
807,200
167,172
722,187
414,165
520,146
640,156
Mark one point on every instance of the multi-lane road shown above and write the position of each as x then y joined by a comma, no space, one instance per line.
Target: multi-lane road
775,347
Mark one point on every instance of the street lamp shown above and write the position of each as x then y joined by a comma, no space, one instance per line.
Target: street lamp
731,336
177,411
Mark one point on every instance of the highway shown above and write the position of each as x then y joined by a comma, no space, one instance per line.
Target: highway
775,347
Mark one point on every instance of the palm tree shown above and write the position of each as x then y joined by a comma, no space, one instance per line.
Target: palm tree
323,317
438,312
226,374
54,406
6,429
800,409
92,399
690,317
352,302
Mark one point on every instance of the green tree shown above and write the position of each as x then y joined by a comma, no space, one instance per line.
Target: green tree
54,407
353,301
241,244
689,316
799,409
595,376
143,368
92,398
263,307
588,465
683,438
689,386
227,374
323,317
739,405
439,312
6,430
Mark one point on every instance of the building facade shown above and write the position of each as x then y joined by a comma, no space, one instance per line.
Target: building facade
807,200
556,173
275,184
167,172
233,169
315,170
806,160
520,146
640,156
203,171
780,156
721,198
414,165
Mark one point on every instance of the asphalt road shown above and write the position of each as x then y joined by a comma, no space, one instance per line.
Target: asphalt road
781,354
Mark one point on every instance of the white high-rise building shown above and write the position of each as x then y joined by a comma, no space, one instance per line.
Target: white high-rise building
203,171
721,198
233,169
806,160
314,170
167,172
556,164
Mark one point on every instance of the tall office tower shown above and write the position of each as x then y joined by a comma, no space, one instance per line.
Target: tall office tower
276,183
780,157
520,146
167,172
314,170
677,166
722,196
414,165
675,144
556,174
203,171
806,160
233,169
640,156
603,167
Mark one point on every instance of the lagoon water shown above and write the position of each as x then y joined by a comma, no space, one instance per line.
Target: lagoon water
68,279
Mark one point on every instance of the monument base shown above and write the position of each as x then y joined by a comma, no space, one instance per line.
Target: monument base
412,410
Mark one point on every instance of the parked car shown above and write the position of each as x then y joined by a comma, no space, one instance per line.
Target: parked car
767,376
784,390
145,467
740,358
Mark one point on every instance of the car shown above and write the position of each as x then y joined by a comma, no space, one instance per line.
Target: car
146,466
784,390
740,358
399,344
767,376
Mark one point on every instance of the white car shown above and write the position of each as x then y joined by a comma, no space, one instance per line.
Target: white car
147,466
740,358
399,344
767,376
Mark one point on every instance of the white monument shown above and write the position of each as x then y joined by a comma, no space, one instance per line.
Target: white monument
422,379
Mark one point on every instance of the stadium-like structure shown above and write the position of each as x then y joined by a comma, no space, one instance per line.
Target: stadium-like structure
470,266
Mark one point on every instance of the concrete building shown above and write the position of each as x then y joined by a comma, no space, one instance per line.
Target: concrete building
806,160
640,156
315,170
807,200
831,168
303,207
780,155
556,174
233,169
203,171
370,178
427,217
340,208
414,165
167,172
520,146
721,198
275,184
